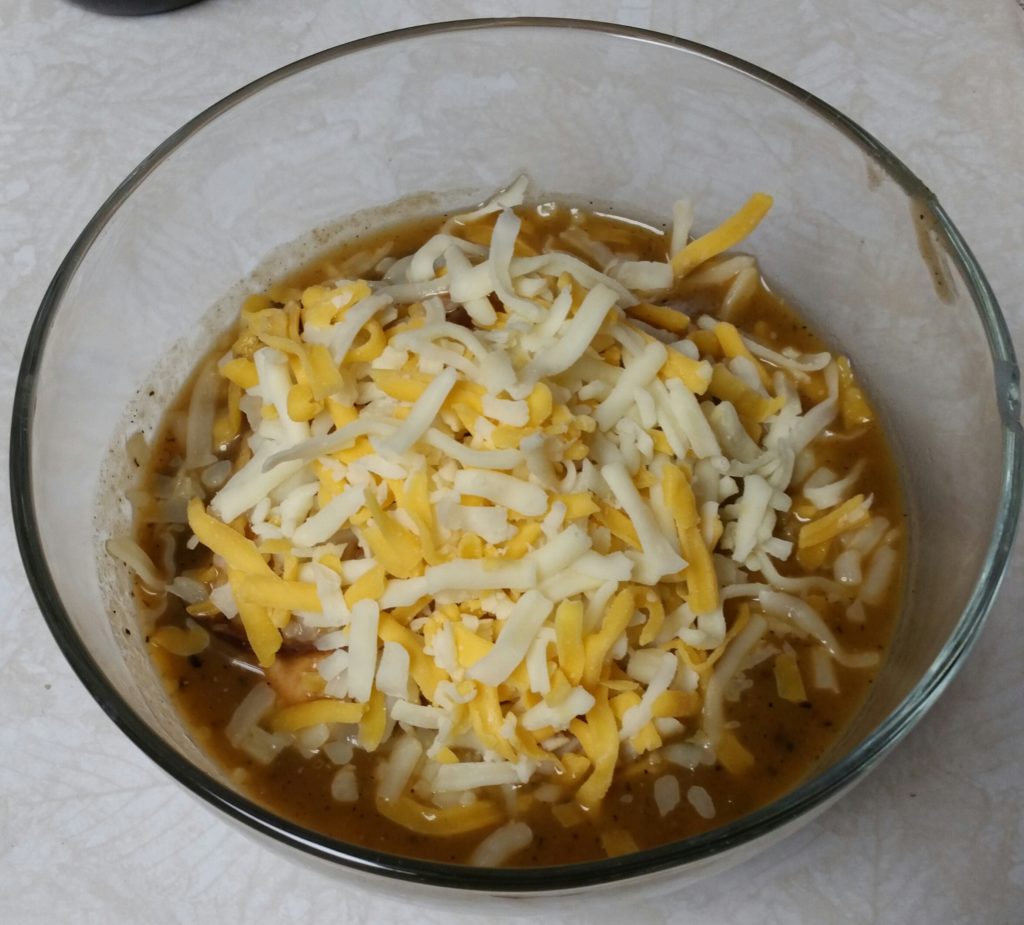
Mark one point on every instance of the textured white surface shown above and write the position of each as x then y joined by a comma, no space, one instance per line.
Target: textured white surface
90,830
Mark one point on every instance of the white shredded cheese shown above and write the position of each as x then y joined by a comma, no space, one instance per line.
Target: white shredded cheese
466,775
637,375
810,621
526,618
393,671
414,714
420,418
575,338
471,458
659,558
577,703
329,519
503,489
682,223
636,717
513,413
362,649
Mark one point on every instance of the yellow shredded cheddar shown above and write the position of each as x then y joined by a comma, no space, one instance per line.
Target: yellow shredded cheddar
619,524
660,316
368,586
569,815
597,645
569,639
228,424
539,403
341,414
616,841
518,546
301,404
727,386
733,346
853,406
277,593
579,505
733,230
487,718
372,347
240,371
314,712
851,513
687,370
426,819
182,642
399,385
373,722
239,553
788,680
599,736
733,755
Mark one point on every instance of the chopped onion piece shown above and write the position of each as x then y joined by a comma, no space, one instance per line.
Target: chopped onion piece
188,589
847,568
666,794
501,845
344,786
823,672
202,407
701,801
879,575
132,554
249,713
405,755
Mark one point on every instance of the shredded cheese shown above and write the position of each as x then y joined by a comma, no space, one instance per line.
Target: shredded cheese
538,541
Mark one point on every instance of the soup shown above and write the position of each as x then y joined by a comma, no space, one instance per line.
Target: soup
527,536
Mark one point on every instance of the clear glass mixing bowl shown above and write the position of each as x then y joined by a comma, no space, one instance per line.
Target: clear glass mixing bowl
627,119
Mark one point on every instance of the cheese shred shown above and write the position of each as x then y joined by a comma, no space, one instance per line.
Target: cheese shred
520,511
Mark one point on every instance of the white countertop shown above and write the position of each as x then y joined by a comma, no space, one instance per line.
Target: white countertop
92,831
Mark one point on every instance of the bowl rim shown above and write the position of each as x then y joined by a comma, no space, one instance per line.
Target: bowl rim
816,792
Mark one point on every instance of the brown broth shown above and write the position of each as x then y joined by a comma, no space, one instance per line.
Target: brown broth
786,739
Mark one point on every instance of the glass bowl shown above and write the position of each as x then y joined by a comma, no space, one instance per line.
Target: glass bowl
440,116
